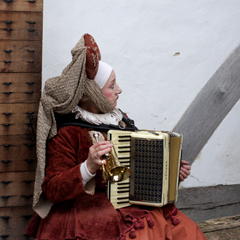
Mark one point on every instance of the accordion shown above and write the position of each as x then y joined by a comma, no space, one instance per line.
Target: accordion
154,161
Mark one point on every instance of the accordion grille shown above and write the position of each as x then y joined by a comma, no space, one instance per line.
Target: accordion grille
147,170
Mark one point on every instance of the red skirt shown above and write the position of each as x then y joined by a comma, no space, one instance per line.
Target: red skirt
164,229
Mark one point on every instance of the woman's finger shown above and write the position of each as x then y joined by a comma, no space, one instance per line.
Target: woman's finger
101,153
183,174
100,148
101,162
181,178
183,162
101,145
188,167
185,171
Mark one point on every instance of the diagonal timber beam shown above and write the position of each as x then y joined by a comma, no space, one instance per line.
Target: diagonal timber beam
210,107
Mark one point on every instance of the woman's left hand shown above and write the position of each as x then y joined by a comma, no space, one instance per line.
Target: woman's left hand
184,170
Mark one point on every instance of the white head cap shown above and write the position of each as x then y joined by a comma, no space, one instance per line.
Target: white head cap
103,74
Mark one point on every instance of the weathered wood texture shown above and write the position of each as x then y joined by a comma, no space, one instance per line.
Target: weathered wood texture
20,91
217,224
18,118
16,188
20,56
224,234
13,221
20,88
13,129
21,5
204,203
17,153
221,228
21,26
210,107
17,113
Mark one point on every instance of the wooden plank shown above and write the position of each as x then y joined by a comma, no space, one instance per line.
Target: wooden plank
20,56
18,113
20,82
16,182
16,200
16,128
14,82
20,59
204,203
20,87
217,224
16,147
224,234
26,161
20,97
13,221
21,26
16,188
221,228
18,118
21,5
210,107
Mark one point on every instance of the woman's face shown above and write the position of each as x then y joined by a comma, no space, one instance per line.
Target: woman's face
111,89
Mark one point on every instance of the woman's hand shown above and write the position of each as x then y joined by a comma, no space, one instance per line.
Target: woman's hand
95,152
184,170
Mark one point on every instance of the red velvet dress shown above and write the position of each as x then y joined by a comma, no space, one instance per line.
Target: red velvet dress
79,215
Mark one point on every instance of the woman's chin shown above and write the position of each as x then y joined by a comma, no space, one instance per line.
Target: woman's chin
114,105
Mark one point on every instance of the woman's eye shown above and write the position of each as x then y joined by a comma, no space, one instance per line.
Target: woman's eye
112,86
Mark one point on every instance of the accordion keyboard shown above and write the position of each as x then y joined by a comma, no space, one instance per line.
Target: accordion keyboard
118,193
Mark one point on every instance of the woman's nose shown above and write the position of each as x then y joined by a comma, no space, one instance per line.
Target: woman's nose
119,90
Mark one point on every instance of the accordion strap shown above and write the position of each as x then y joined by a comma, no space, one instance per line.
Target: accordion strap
61,122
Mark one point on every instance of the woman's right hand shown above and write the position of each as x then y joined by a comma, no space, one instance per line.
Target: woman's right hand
95,152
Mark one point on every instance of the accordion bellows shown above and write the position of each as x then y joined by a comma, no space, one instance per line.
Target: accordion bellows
154,161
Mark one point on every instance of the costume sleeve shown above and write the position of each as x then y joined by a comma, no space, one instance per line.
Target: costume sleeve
65,153
86,175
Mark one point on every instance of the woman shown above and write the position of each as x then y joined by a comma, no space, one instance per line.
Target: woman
69,194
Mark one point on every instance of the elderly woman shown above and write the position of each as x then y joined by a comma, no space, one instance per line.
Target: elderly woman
69,195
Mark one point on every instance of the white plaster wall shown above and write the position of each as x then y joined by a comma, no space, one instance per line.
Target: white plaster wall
219,161
140,40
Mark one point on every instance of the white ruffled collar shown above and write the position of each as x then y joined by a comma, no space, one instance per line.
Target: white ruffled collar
113,117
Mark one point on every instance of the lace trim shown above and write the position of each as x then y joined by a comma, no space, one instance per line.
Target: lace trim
113,117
